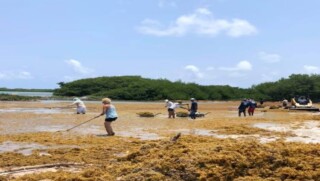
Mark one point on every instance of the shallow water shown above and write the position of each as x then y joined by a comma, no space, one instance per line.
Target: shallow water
27,148
23,148
273,127
307,132
140,134
39,94
32,110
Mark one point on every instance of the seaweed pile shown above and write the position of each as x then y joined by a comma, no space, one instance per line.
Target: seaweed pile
147,114
182,114
189,158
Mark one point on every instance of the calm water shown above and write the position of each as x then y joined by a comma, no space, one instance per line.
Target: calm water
40,94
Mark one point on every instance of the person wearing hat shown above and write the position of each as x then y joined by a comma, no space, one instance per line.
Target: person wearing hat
170,106
194,108
111,115
81,107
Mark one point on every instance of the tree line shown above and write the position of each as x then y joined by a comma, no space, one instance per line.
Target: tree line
139,88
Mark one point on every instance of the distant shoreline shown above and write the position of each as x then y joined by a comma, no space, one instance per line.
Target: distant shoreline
28,93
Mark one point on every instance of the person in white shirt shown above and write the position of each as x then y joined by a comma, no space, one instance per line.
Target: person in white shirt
285,103
171,108
81,107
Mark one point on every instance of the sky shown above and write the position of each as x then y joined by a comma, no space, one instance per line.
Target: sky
208,42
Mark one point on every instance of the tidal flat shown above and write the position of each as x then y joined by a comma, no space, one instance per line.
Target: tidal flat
274,144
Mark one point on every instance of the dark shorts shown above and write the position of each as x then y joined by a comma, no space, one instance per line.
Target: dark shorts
110,119
170,109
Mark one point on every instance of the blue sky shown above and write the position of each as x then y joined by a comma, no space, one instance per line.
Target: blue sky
209,42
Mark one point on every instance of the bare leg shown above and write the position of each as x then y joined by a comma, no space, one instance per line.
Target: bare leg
171,114
108,127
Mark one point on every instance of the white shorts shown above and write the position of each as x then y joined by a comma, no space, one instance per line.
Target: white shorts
81,110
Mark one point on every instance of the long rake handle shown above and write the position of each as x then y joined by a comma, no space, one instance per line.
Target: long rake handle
81,123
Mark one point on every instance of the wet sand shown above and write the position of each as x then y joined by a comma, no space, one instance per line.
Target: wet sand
141,148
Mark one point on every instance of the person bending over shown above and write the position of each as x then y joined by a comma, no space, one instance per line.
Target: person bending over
110,111
81,107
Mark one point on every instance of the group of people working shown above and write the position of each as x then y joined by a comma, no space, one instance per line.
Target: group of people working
247,103
110,112
173,105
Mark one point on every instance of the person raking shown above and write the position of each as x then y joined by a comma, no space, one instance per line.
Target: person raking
111,115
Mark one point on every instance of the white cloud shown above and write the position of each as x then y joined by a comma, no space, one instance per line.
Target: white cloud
11,75
200,22
311,69
269,58
194,70
78,67
241,66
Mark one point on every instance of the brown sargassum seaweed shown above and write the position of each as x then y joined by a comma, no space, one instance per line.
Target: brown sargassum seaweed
147,114
189,158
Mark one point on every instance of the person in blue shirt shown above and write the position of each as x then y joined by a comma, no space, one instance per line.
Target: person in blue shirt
111,115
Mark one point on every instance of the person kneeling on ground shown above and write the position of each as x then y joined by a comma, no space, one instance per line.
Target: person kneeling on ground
111,115
81,107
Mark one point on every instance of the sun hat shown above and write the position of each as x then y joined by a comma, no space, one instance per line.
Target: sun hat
166,100
192,99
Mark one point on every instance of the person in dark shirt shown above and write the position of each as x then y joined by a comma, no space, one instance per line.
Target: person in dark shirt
242,107
261,101
194,108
